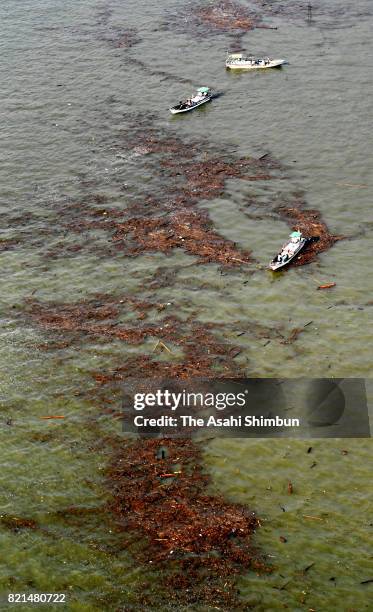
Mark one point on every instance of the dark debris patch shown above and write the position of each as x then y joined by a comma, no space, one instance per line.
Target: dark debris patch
103,25
191,231
191,171
169,217
8,244
222,17
162,74
225,16
310,223
121,38
16,523
108,30
197,542
97,317
324,14
203,356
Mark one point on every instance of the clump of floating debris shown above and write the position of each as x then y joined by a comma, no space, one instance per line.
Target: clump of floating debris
222,17
169,217
165,221
310,224
188,230
97,317
159,492
226,15
8,244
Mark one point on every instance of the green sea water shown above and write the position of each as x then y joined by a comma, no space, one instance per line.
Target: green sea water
67,91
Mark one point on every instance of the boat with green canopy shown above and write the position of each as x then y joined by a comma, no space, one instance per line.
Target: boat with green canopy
289,251
202,96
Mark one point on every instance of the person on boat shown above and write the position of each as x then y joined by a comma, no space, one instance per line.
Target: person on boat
198,97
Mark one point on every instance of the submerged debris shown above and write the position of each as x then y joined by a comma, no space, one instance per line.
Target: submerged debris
293,336
169,217
149,223
97,317
104,25
15,523
326,15
191,348
8,244
121,38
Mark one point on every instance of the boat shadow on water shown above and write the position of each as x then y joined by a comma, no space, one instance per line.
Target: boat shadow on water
239,72
200,109
217,94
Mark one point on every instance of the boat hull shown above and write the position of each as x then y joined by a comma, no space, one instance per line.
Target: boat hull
176,111
276,265
242,65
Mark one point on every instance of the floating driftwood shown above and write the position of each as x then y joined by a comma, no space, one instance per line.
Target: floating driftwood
186,532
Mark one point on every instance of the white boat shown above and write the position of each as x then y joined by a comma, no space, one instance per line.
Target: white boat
289,251
238,61
202,96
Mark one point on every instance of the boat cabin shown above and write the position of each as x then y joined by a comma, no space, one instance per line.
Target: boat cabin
296,237
238,58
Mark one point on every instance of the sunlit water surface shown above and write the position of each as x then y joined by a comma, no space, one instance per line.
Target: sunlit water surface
66,90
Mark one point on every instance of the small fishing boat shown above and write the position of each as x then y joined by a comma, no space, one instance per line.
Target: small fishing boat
238,61
202,96
289,251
